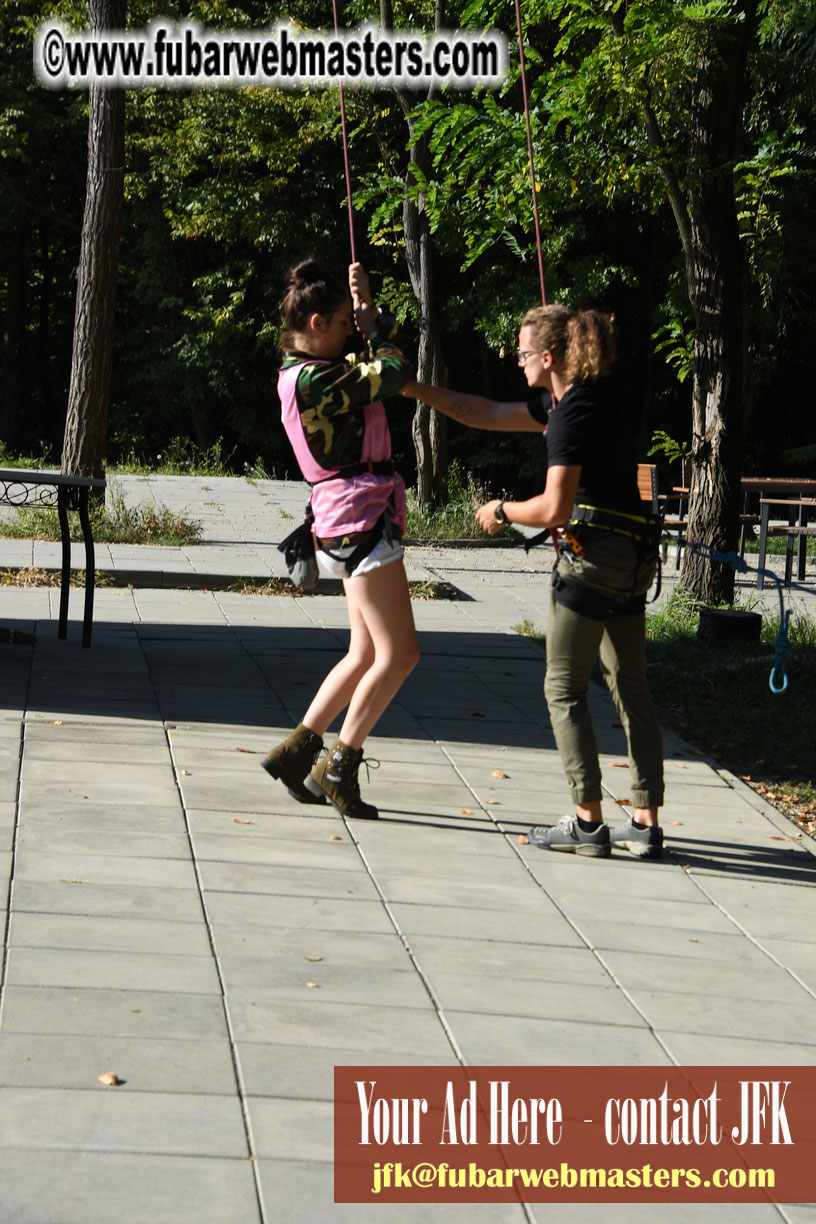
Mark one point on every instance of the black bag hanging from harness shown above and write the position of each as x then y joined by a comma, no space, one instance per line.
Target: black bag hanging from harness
299,553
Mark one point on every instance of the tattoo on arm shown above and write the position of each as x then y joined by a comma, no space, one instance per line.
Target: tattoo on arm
460,409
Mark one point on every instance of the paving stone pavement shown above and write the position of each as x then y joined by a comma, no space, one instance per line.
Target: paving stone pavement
175,917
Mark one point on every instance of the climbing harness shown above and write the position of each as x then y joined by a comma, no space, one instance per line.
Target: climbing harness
344,131
530,154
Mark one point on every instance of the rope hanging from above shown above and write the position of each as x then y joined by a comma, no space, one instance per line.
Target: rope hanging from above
530,154
344,130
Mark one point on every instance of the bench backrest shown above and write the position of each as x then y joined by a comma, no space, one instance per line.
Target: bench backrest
647,484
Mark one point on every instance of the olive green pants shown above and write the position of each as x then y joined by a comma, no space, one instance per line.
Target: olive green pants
574,643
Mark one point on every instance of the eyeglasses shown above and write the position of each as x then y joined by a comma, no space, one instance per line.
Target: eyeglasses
523,354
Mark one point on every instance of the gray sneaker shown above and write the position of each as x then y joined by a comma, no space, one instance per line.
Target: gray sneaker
643,843
568,835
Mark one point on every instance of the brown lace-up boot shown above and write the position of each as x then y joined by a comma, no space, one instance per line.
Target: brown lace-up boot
291,761
336,778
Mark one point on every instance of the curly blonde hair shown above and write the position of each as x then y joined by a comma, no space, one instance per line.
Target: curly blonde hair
582,342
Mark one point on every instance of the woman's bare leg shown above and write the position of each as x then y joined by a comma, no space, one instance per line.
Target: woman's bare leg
382,600
337,688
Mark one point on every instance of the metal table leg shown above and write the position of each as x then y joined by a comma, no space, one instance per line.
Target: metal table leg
90,566
63,498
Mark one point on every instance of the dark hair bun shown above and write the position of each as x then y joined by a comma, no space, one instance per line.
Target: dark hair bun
307,272
309,290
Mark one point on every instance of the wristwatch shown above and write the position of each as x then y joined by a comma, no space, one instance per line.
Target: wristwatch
498,513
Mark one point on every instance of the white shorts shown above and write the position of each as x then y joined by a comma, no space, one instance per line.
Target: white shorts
381,554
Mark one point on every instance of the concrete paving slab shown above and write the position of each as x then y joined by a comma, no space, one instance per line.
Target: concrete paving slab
286,881
544,924
111,1120
75,1187
104,970
771,1049
751,976
309,1188
485,994
292,1129
113,1013
301,1072
115,899
285,825
341,913
681,1012
65,1061
61,838
368,1028
39,866
525,1041
443,957
109,934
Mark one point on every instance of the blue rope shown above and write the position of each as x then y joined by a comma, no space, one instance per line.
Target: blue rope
741,566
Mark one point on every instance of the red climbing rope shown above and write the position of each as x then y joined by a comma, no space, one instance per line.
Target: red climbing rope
530,155
345,151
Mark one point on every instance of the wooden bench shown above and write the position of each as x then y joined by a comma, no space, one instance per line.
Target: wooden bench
22,487
796,530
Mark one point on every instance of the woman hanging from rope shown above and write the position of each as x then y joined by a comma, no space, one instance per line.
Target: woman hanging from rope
606,564
336,422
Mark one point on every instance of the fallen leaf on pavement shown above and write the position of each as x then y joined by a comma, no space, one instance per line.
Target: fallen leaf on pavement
56,723
254,751
624,802
335,837
238,820
498,773
109,1079
466,812
523,839
313,985
314,959
619,764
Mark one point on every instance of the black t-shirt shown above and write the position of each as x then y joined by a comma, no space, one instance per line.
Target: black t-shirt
589,427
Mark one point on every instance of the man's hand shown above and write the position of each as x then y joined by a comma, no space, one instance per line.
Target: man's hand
486,517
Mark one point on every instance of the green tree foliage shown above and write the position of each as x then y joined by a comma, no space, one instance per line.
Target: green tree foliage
225,189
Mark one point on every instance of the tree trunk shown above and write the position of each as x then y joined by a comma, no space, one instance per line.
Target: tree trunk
92,358
429,429
718,299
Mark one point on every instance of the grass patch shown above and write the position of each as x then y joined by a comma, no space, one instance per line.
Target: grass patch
111,523
182,457
718,698
530,629
33,577
283,586
456,520
32,462
777,545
